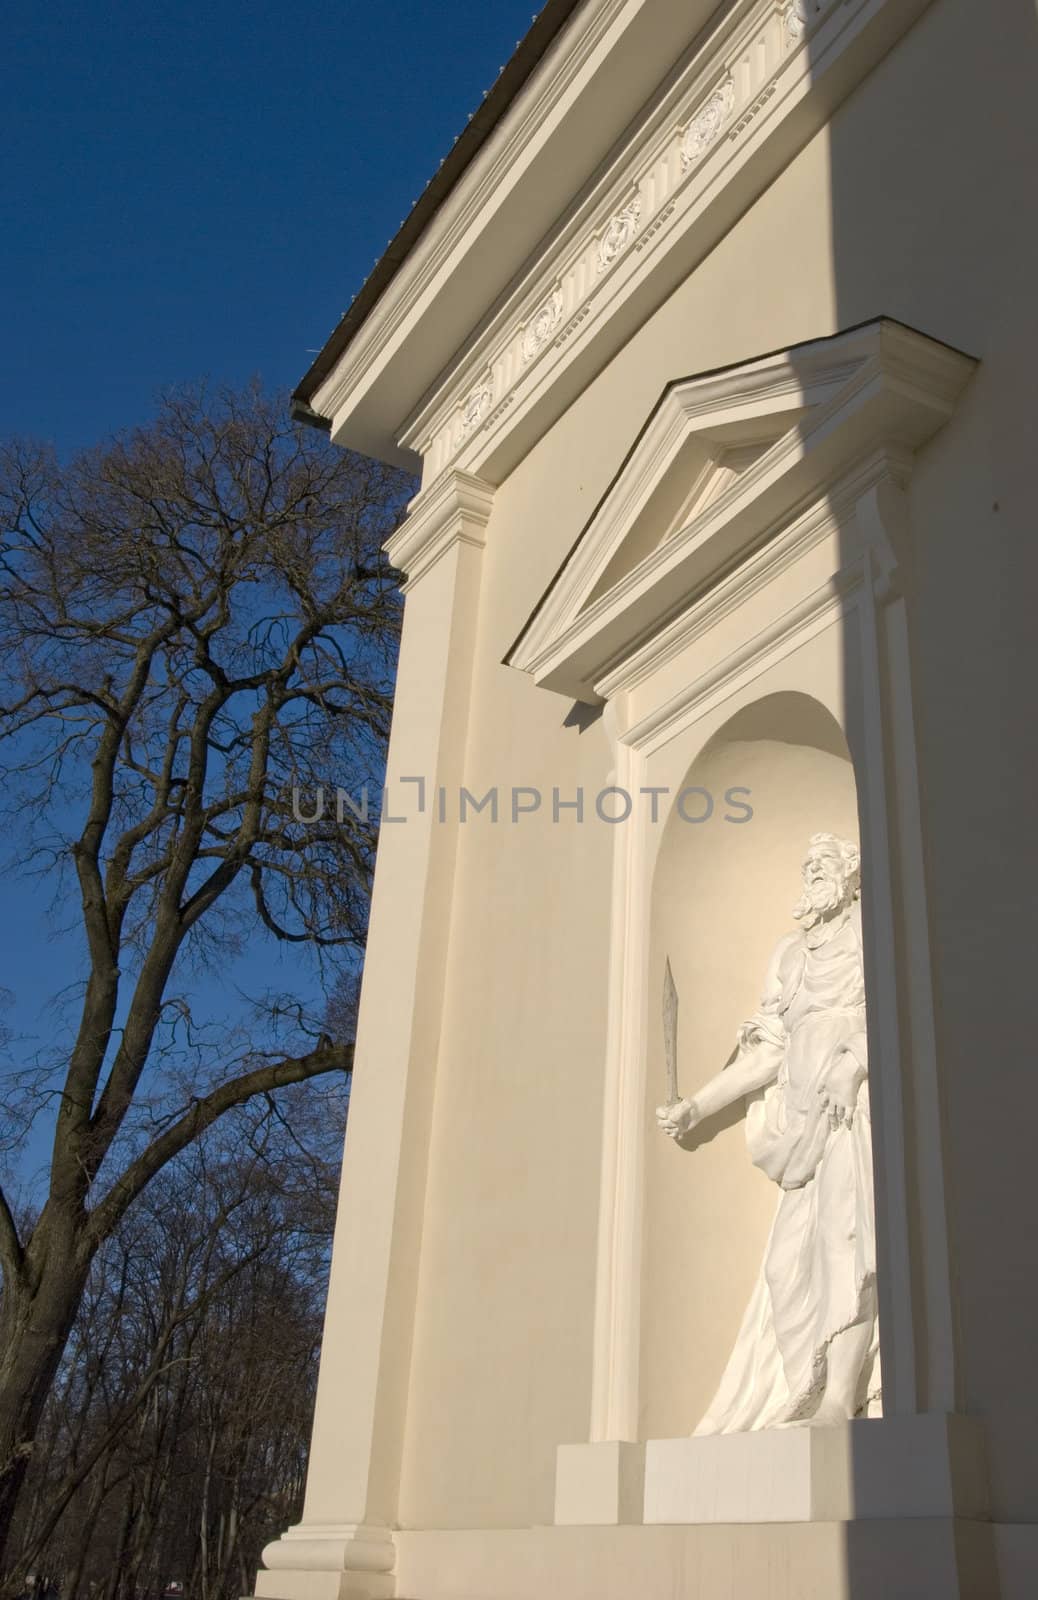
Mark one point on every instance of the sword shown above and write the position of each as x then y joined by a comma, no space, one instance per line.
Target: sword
670,1034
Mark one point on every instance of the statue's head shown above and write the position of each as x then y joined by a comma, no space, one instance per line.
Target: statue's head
832,878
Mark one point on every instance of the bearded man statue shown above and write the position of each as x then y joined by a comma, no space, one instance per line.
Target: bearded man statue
808,1348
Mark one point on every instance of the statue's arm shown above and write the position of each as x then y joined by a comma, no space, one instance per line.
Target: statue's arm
757,1063
752,1069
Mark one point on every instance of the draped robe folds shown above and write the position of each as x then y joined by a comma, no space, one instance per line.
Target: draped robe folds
819,1271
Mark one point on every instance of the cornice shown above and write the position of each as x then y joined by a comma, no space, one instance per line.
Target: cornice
758,86
470,200
845,414
545,28
455,509
504,203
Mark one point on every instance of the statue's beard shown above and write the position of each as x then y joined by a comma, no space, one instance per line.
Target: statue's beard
820,901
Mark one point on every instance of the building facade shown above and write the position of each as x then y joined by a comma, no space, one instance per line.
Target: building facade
714,344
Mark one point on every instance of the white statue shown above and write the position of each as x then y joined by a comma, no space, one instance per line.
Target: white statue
808,1347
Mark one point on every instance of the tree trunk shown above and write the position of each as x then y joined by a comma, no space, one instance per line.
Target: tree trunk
36,1318
113,1582
73,1576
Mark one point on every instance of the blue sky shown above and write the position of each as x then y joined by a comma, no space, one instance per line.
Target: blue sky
197,191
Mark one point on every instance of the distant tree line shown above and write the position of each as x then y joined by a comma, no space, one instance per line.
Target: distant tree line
173,1444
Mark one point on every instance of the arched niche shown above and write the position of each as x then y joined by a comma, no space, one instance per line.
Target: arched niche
722,895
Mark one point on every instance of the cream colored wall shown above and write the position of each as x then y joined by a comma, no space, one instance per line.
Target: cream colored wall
929,224
501,1349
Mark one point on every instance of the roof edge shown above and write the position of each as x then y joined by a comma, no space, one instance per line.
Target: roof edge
516,72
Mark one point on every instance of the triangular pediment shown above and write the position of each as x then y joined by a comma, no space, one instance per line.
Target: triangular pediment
697,478
722,461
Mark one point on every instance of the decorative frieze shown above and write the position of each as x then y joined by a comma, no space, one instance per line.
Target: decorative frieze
508,400
655,225
794,19
542,325
620,230
752,110
705,128
730,90
800,16
477,405
573,324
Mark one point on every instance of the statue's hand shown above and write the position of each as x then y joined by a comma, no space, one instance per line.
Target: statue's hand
839,1090
678,1119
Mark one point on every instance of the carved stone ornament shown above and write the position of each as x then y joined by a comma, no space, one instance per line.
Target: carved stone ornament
478,404
705,127
801,15
794,19
541,326
619,233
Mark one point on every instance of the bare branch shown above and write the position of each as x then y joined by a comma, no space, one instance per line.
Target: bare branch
327,1058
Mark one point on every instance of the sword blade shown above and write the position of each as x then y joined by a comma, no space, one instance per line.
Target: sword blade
670,1033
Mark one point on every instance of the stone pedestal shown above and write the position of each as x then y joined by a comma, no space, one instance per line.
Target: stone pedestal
599,1484
882,1468
904,1467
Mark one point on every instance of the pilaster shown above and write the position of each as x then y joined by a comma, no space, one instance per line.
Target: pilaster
343,1547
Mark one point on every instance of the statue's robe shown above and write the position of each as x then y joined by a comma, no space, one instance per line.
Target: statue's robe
819,1271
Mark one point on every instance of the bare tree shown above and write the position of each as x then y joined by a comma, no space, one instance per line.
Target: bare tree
196,625
173,1444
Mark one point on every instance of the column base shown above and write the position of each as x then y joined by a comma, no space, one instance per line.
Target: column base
321,1561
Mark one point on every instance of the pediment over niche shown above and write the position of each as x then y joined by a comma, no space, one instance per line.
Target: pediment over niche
722,462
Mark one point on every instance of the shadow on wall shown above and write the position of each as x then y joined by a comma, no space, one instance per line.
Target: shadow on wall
928,227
